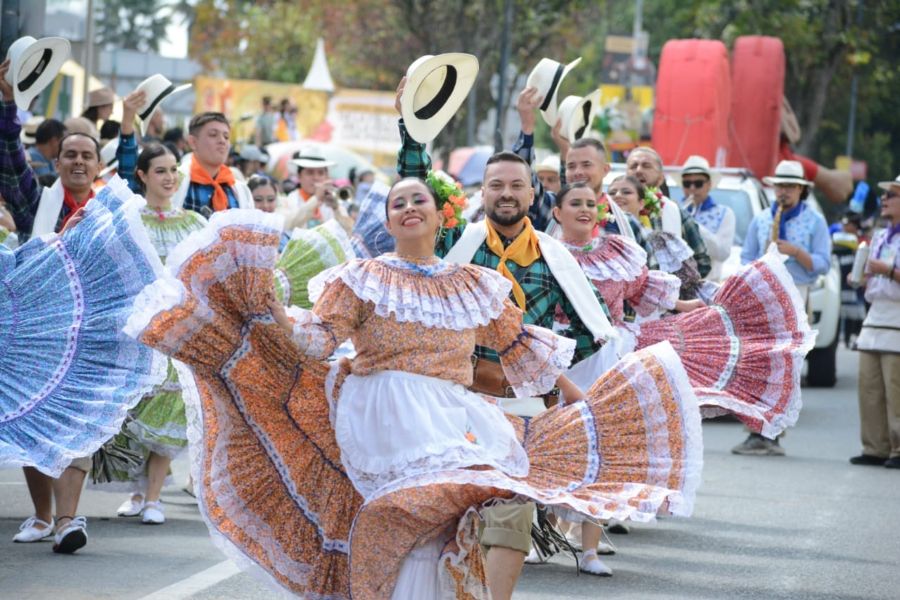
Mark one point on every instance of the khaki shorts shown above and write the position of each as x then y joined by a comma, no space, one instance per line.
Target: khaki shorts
508,526
82,464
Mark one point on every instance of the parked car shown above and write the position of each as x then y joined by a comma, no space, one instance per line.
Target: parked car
746,196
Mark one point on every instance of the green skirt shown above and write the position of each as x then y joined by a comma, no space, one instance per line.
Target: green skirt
309,252
157,424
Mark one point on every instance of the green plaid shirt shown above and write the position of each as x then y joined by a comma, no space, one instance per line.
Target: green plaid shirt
542,295
412,159
542,292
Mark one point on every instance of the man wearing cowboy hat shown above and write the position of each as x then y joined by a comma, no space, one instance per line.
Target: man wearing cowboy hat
801,234
209,185
879,342
42,154
547,172
508,242
716,222
314,201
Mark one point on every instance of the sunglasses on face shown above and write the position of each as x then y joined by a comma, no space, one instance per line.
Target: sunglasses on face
693,183
890,194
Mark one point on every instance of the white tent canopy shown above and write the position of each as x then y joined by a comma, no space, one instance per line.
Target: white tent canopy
319,78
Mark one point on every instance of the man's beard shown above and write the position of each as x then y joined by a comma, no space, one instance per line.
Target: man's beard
506,220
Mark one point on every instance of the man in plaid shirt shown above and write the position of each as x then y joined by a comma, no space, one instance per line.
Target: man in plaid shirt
78,164
508,195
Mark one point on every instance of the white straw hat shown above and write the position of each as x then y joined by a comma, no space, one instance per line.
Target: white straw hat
788,171
577,114
436,86
157,88
33,65
697,165
550,163
886,185
547,77
29,130
108,156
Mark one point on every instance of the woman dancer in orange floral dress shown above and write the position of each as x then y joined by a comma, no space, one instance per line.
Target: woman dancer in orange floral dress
366,476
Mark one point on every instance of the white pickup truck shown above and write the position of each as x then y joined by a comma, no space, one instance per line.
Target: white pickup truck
746,196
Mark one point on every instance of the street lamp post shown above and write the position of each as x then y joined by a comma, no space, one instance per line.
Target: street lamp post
504,63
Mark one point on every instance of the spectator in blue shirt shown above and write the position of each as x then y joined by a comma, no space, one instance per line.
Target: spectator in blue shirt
802,232
802,235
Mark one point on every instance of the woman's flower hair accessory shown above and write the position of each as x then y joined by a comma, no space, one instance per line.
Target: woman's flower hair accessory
450,199
653,200
604,214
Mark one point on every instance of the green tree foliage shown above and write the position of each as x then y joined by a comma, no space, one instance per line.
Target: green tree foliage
132,24
370,43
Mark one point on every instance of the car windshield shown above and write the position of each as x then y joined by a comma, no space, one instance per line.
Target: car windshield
737,200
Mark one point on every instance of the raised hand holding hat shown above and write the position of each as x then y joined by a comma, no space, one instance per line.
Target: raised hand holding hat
157,88
435,88
547,78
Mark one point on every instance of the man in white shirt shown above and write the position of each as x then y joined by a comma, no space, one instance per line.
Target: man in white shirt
716,222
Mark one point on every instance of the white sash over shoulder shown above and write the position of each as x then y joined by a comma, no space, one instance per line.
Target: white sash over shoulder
564,267
48,209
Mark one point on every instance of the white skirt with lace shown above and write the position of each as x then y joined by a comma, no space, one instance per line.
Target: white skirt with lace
391,425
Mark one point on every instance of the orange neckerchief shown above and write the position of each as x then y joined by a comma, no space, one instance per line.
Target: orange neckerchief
223,177
72,204
523,251
305,197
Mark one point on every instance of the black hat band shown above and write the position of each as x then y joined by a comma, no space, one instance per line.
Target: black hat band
143,116
437,103
37,71
585,115
556,77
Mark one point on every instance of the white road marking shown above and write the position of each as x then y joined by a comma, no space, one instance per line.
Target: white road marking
198,582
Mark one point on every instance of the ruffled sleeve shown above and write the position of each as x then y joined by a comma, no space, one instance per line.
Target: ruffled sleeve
532,357
336,315
653,291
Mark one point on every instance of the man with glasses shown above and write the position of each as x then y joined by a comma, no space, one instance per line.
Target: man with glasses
801,234
716,222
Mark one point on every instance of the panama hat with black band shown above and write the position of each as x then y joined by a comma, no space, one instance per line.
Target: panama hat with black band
308,159
698,165
547,78
788,171
33,64
157,88
436,86
577,114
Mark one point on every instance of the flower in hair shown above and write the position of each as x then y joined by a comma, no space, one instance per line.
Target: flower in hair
604,214
653,200
450,199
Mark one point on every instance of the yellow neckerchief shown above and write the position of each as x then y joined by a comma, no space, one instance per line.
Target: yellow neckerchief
645,221
523,251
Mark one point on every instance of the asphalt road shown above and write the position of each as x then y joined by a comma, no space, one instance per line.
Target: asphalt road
808,525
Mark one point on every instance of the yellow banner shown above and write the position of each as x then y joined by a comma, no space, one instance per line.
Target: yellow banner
641,94
241,101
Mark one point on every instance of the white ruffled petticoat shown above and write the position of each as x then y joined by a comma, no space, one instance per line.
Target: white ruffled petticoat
391,425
